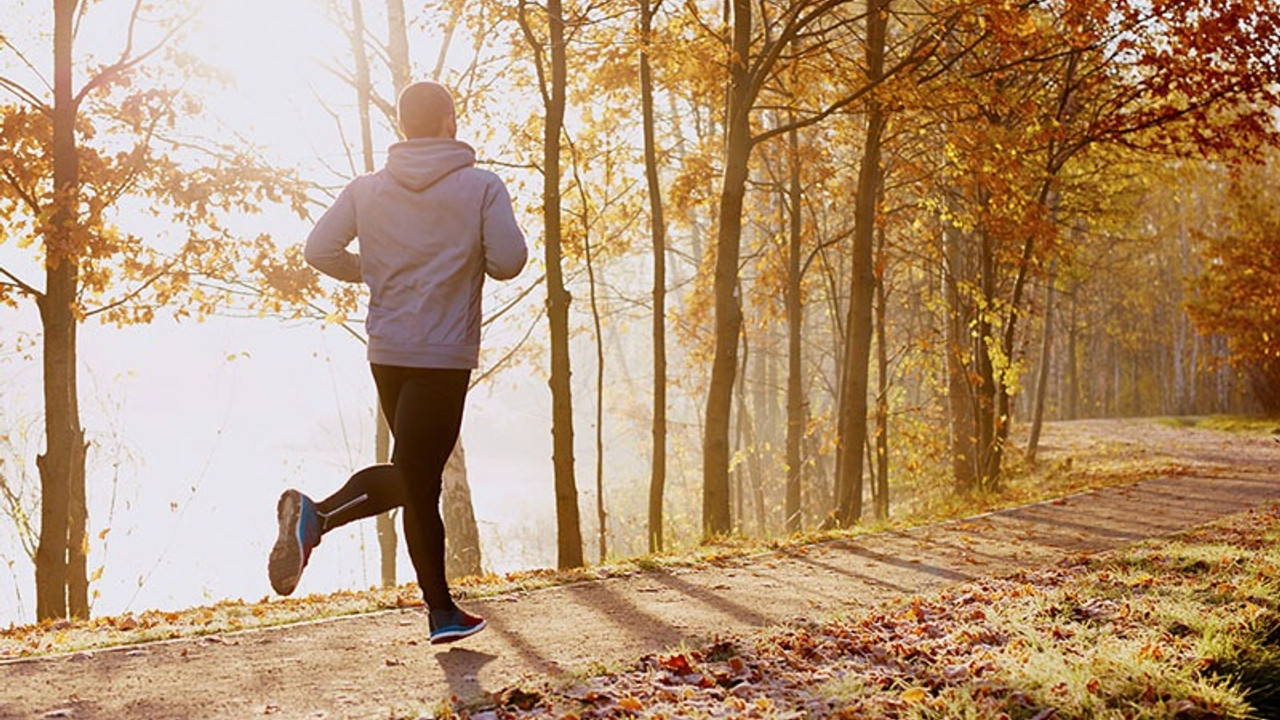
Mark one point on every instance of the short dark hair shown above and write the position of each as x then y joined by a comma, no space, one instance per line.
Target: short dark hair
424,109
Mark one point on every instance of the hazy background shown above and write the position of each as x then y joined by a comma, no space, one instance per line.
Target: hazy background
197,427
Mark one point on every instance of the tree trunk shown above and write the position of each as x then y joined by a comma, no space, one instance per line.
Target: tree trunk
398,45
1046,360
881,490
1073,363
749,448
602,518
568,525
462,556
959,387
63,540
716,518
385,523
852,425
984,410
658,473
796,420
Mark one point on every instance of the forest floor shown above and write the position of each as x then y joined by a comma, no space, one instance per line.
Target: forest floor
379,665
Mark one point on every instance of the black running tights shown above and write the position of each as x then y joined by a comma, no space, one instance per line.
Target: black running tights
424,409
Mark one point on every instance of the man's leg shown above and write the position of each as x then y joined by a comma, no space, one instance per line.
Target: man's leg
428,417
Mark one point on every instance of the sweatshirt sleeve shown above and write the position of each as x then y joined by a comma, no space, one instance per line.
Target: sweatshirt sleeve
326,248
505,251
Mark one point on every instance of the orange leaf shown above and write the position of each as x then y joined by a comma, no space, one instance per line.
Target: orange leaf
914,695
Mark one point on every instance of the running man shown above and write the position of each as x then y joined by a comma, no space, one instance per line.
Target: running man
431,226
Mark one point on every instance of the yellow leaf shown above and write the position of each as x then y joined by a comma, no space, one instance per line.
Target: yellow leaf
914,695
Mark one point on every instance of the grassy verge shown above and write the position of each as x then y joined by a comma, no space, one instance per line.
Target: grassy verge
1186,628
1100,466
1226,423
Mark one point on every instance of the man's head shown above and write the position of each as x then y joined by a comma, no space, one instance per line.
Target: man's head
426,110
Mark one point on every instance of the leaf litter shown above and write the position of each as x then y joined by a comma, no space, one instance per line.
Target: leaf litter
1147,632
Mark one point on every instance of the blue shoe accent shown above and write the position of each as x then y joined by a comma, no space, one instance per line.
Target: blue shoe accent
309,527
453,624
298,534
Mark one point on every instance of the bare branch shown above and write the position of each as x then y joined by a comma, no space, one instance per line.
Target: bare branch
494,367
27,62
125,63
22,286
24,94
536,47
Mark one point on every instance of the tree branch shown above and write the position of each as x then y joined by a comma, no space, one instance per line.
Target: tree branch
22,286
505,358
513,302
24,94
27,62
125,63
132,294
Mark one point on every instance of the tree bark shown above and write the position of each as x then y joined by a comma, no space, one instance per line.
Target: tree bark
959,388
568,524
1073,363
852,425
658,467
462,557
602,517
398,45
60,554
716,518
881,490
796,420
1046,361
385,523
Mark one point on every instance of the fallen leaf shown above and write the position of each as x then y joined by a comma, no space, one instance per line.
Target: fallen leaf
915,695
520,699
678,664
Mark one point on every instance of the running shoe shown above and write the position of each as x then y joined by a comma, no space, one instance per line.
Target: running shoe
299,535
453,624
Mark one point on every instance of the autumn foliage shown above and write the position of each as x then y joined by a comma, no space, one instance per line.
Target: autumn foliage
1239,290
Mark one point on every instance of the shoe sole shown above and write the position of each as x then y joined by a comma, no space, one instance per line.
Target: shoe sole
285,566
448,636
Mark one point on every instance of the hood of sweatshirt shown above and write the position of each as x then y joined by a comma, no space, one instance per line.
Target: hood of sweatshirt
419,163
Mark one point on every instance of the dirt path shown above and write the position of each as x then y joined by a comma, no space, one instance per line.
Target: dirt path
380,666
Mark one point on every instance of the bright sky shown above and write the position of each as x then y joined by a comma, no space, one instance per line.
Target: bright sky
198,427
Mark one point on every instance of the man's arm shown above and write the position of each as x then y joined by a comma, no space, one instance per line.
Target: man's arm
505,251
326,248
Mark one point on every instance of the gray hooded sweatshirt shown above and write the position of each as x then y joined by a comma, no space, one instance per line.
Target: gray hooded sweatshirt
431,226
